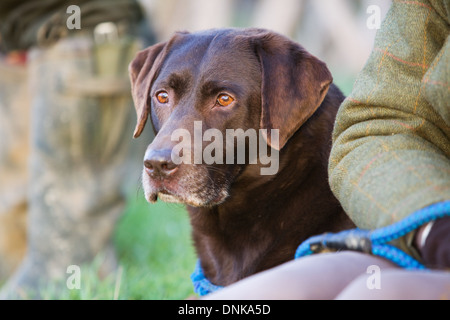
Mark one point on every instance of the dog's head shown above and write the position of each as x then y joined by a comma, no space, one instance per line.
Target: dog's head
200,88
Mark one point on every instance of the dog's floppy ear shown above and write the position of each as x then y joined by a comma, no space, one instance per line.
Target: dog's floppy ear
294,84
142,71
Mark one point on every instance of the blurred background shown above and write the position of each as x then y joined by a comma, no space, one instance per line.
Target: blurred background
69,169
335,31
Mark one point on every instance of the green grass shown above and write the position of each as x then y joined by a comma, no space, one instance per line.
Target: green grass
154,246
155,254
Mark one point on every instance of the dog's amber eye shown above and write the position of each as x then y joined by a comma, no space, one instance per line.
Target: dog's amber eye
162,96
224,100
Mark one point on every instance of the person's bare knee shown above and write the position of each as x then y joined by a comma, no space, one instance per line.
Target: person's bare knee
320,276
399,284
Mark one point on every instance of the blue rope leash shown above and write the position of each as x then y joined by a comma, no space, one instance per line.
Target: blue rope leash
373,242
202,286
376,241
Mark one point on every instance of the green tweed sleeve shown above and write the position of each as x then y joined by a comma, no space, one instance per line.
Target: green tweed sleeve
391,141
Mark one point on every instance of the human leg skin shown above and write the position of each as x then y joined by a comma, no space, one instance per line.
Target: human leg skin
321,276
400,284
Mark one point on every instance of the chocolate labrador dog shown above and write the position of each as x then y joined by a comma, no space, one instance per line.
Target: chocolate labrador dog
222,80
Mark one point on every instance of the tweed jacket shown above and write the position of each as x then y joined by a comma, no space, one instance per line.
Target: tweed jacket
391,141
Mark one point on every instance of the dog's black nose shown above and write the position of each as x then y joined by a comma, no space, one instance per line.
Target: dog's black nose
158,163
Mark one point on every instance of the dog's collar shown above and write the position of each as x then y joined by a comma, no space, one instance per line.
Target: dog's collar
202,286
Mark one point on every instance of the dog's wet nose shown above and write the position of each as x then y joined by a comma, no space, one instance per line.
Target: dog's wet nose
158,163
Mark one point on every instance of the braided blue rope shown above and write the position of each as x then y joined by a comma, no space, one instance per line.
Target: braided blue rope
378,240
397,256
413,221
202,286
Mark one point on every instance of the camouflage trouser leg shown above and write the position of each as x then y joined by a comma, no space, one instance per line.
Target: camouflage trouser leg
14,123
82,120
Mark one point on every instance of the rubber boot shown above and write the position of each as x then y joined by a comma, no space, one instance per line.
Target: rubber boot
14,151
81,128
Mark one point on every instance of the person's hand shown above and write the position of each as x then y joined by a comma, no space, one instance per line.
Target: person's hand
435,244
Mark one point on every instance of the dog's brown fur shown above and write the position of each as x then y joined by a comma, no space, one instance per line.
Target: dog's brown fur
243,222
